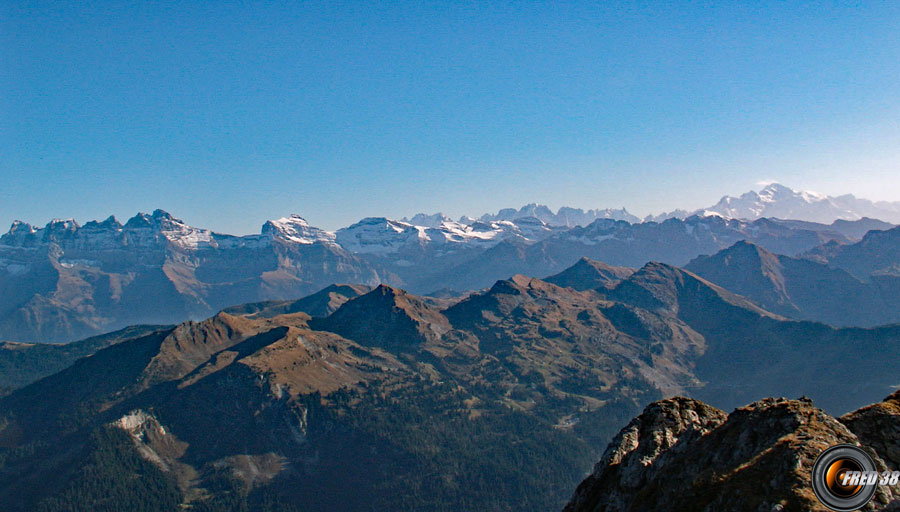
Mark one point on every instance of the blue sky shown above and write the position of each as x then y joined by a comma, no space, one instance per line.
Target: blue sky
226,115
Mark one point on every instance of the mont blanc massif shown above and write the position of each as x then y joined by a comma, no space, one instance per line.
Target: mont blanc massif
525,360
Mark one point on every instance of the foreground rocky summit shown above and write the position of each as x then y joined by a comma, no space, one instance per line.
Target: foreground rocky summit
682,454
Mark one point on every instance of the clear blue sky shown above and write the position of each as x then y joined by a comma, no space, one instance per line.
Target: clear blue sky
226,115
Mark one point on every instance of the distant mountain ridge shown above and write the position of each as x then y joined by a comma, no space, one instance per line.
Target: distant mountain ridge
773,201
803,288
66,281
781,202
565,216
876,256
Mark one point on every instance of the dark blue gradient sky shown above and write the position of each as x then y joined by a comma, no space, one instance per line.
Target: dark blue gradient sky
227,115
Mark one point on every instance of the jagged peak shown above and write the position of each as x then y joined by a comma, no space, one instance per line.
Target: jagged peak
110,223
140,220
155,219
62,224
294,218
564,216
19,234
432,220
295,228
387,290
19,226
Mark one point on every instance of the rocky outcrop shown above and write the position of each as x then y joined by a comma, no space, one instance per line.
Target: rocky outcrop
682,454
628,461
878,426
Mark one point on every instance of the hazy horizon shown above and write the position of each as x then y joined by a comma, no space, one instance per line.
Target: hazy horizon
229,115
124,216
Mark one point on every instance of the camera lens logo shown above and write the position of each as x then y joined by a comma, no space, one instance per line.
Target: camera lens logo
844,478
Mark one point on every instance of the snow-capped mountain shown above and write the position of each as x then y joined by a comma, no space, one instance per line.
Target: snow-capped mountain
565,216
381,236
67,280
429,221
155,230
781,202
141,231
674,214
296,229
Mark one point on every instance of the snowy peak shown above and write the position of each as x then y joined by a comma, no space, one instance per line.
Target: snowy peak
19,227
778,201
674,214
296,229
160,227
383,236
777,192
20,234
142,230
565,216
429,221
378,235
157,218
571,217
110,224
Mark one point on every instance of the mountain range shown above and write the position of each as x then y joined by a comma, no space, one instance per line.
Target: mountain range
362,398
807,289
66,281
781,202
774,200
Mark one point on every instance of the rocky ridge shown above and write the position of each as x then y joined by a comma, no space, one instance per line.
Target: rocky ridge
681,454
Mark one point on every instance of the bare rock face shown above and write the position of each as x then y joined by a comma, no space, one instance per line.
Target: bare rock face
878,426
627,464
682,454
